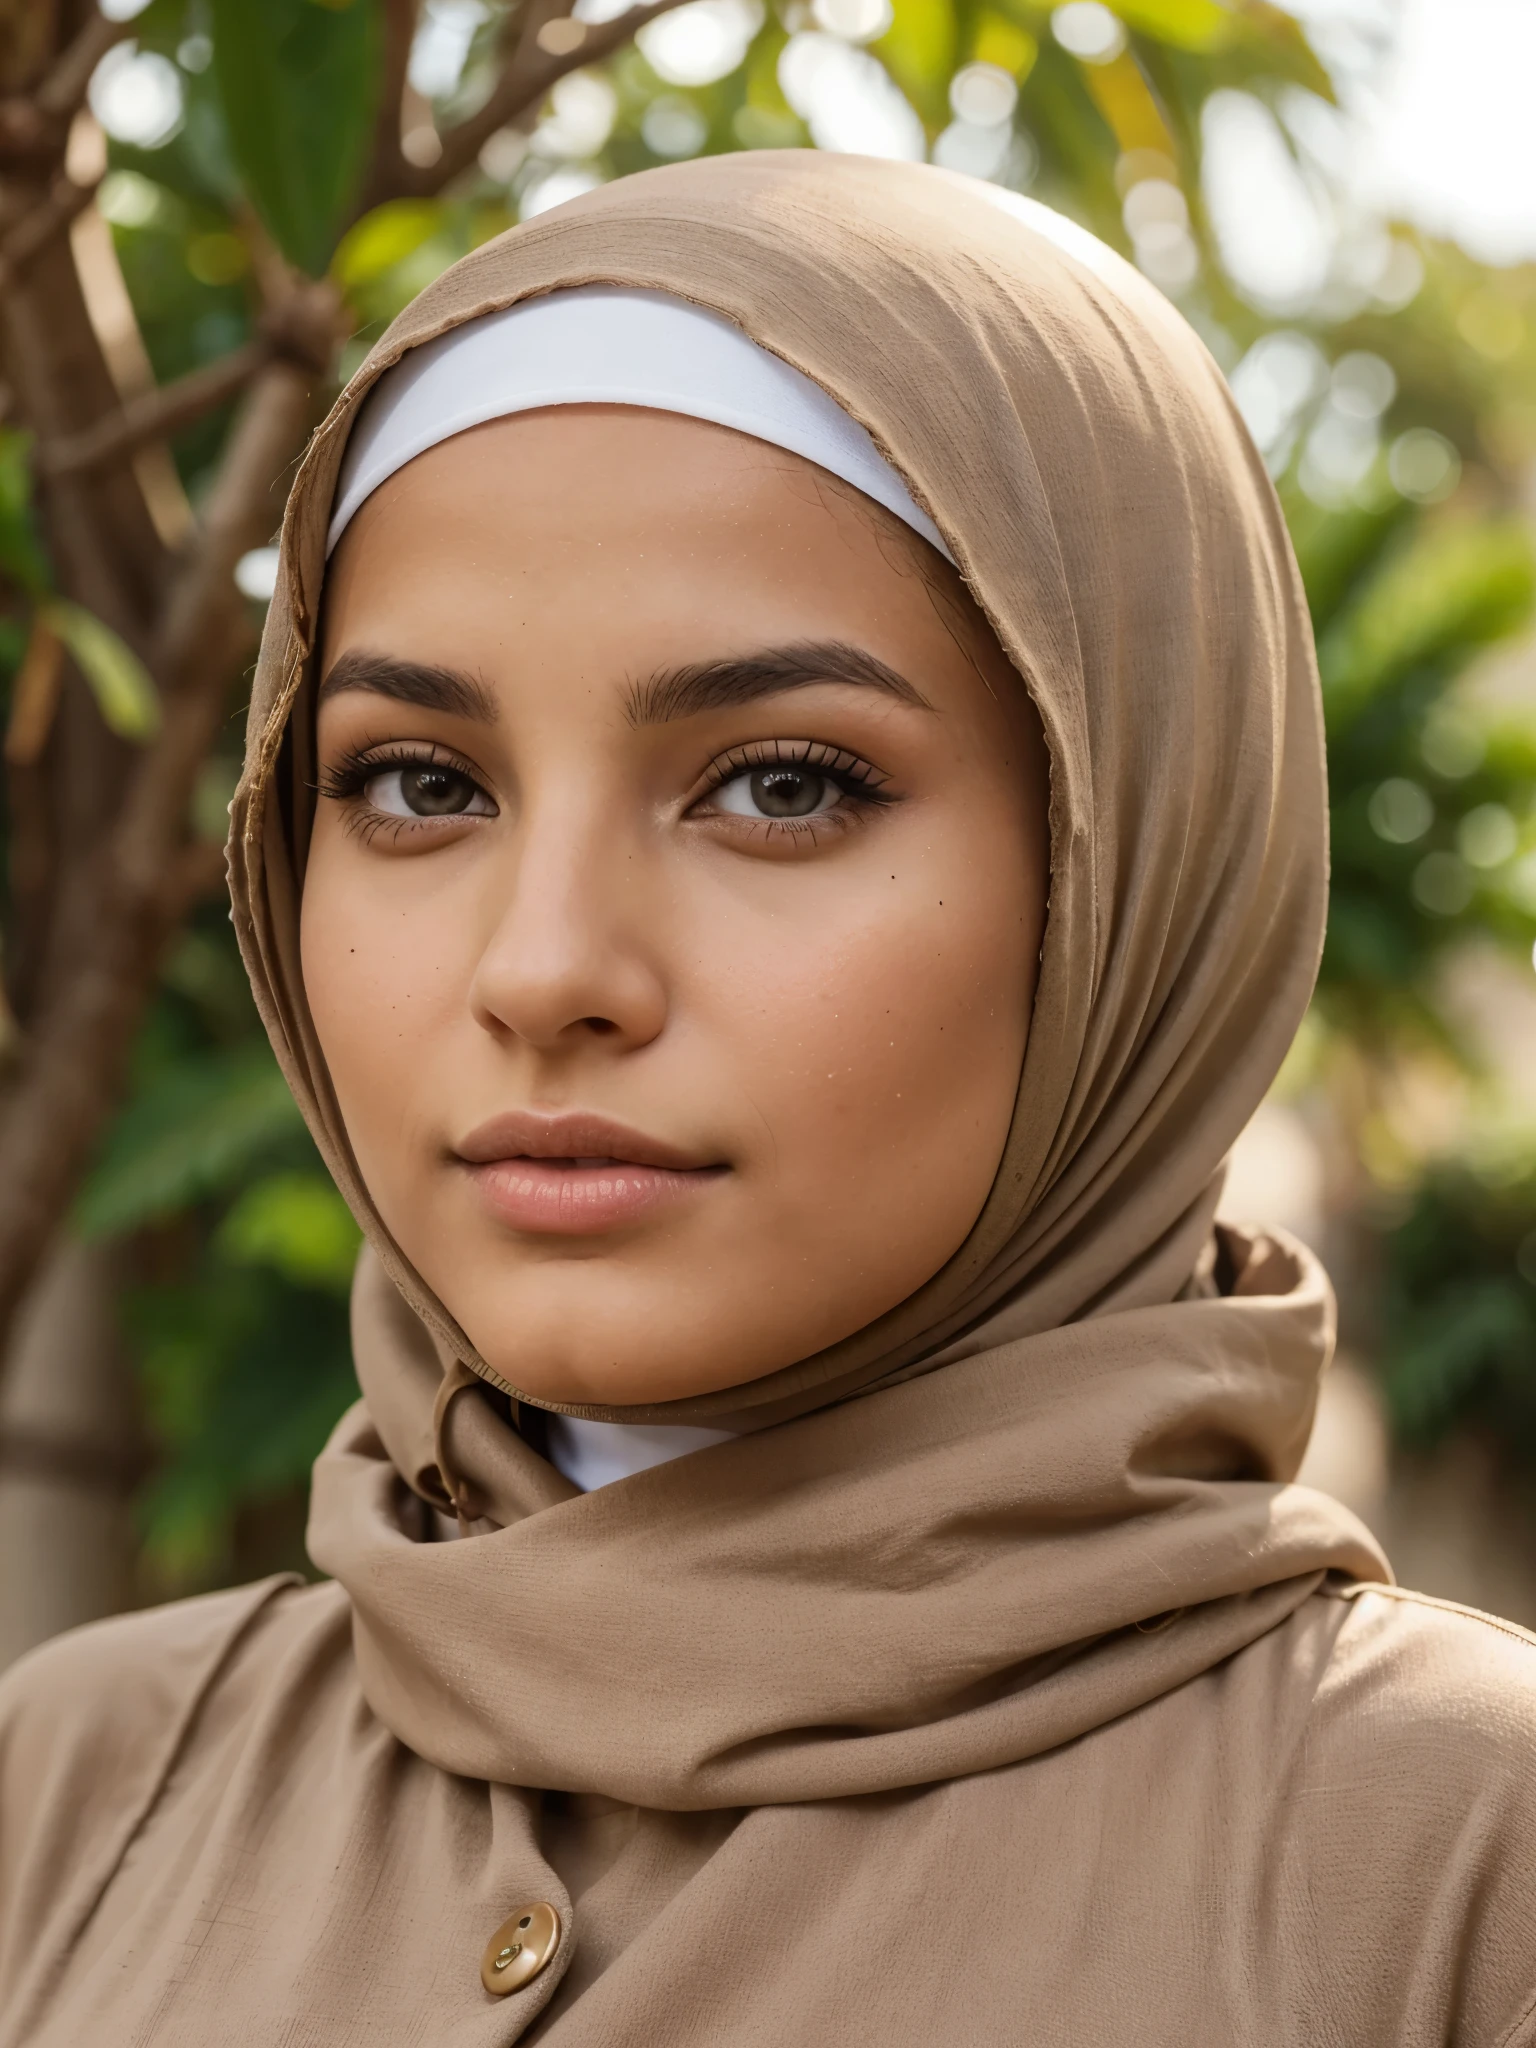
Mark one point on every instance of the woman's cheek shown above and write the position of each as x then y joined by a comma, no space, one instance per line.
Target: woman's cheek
387,975
878,1048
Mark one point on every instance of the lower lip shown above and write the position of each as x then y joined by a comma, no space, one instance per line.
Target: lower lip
556,1198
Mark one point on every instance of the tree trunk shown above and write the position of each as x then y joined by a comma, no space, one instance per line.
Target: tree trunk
70,1453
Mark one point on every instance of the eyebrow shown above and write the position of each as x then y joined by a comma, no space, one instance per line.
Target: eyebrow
667,695
410,682
741,679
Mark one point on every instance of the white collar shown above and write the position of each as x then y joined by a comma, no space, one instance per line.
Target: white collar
593,1454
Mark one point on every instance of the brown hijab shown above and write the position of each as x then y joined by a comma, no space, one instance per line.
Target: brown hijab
1123,1395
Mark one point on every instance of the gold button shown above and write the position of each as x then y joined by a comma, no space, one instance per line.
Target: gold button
519,1949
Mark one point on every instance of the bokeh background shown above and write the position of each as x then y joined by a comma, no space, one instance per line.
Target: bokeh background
1340,195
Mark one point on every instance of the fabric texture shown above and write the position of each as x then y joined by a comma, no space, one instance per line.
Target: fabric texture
208,1840
995,1681
596,346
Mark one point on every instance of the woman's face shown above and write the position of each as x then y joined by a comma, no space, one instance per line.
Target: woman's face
672,914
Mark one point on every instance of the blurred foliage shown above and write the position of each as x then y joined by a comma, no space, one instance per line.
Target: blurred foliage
21,553
239,1318
1410,358
122,685
1430,805
1459,1309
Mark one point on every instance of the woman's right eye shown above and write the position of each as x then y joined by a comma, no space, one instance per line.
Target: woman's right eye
426,789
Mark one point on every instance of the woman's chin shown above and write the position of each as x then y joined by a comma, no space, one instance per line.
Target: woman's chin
629,1354
627,1383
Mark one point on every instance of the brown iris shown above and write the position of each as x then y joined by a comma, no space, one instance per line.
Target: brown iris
433,792
787,792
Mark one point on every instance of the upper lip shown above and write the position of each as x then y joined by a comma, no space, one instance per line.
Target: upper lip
573,1134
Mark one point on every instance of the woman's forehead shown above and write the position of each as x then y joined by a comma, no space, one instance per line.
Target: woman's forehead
613,506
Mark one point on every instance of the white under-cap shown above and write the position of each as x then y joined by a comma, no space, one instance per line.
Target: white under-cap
607,345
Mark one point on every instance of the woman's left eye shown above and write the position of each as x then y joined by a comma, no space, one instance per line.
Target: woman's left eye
426,789
783,790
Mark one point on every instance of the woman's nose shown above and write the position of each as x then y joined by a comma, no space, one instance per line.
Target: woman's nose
569,958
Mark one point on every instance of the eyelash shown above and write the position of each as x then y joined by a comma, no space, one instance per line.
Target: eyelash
345,780
859,781
862,784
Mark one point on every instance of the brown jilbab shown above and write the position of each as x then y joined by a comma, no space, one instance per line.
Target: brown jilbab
994,1684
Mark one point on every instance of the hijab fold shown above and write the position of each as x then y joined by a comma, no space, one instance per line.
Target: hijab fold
939,1578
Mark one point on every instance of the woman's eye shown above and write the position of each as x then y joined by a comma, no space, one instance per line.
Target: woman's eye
426,790
782,791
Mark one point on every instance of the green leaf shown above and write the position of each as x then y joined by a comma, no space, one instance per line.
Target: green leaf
997,40
124,691
383,238
21,553
918,49
297,1224
1454,590
1187,24
13,647
299,80
194,1131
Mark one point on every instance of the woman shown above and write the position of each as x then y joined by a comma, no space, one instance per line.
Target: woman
778,857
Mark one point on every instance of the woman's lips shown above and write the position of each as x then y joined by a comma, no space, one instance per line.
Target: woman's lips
576,1175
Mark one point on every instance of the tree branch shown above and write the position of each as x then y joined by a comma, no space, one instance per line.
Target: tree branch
34,127
240,511
32,817
34,694
63,90
156,415
27,136
48,218
49,1454
387,166
529,73
104,546
239,515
